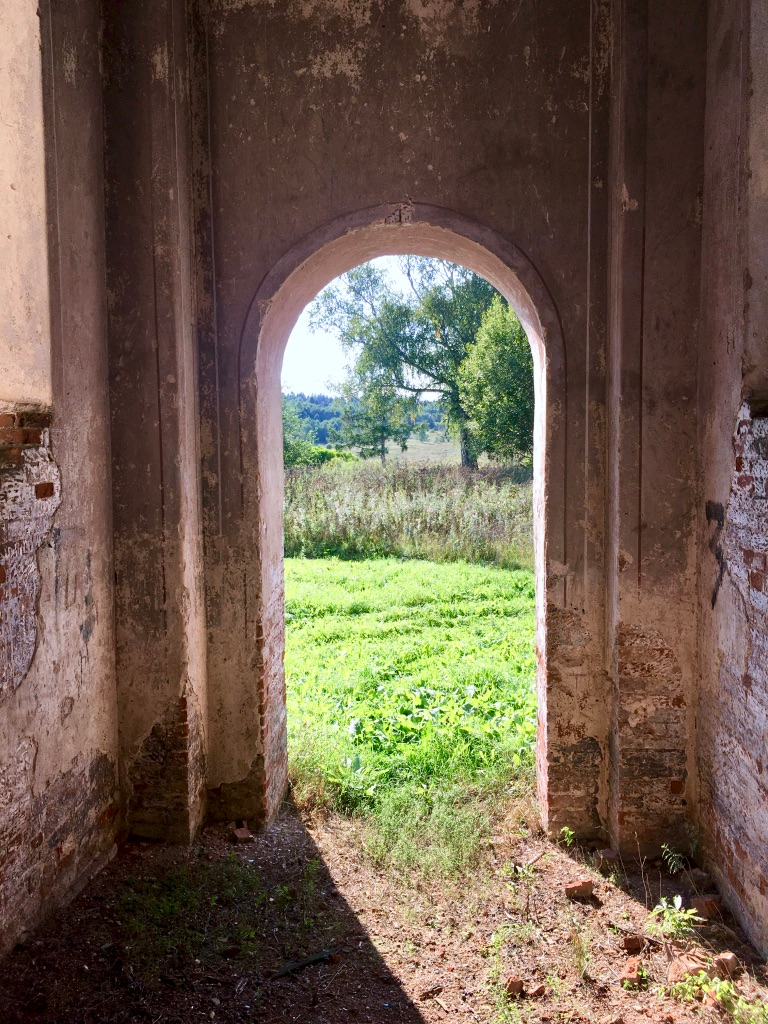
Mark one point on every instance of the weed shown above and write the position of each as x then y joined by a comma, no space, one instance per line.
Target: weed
194,911
674,861
580,949
507,1009
555,984
444,513
642,980
721,993
567,836
439,831
671,921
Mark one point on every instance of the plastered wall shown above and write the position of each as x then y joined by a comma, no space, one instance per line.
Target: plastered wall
25,354
733,505
59,797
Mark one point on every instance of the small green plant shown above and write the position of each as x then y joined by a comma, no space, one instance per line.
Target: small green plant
671,920
519,872
721,993
728,997
674,861
567,836
642,980
580,948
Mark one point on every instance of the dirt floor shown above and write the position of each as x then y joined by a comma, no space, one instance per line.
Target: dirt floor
222,932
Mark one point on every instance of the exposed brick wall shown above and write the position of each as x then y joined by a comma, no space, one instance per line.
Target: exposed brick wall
54,838
51,842
572,754
30,493
651,739
733,722
166,778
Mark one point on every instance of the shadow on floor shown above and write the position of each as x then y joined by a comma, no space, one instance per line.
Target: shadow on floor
216,933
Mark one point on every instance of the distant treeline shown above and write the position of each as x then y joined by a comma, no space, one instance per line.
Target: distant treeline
321,416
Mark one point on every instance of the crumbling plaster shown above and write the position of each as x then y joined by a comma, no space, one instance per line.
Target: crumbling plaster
733,512
59,808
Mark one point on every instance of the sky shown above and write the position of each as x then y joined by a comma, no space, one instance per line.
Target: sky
314,361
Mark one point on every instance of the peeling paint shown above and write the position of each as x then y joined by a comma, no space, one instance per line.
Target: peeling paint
30,493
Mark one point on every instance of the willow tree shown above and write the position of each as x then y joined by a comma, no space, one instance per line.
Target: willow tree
410,343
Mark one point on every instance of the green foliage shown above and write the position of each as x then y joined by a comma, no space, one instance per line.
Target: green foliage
671,920
194,911
567,836
414,344
725,994
299,448
496,386
410,698
675,861
439,512
373,414
298,439
320,414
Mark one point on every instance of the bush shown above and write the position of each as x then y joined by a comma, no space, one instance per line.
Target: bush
442,513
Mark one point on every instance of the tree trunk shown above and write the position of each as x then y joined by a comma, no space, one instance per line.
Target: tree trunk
468,458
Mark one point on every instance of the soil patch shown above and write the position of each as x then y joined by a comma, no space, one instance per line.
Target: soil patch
300,926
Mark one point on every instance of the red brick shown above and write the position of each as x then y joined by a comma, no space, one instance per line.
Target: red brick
7,419
756,580
44,490
11,436
580,890
676,786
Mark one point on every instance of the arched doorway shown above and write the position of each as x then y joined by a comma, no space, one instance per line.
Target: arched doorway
293,282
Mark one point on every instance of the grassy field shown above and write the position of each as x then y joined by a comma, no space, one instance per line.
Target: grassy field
443,513
436,450
410,698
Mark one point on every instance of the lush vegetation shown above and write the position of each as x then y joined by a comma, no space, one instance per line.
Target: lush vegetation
445,513
318,428
410,698
410,345
496,386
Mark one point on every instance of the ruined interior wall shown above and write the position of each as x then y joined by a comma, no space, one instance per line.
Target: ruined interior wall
733,507
25,358
656,182
315,111
58,780
153,388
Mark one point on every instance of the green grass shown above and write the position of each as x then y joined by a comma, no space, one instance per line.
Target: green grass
443,513
410,698
196,910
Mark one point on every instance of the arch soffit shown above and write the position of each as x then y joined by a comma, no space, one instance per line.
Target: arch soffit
386,231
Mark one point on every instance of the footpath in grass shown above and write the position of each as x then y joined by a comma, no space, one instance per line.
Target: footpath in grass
410,698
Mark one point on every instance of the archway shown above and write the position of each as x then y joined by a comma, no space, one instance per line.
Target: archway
293,282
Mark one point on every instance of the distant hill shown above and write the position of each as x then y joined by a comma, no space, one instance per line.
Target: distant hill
322,415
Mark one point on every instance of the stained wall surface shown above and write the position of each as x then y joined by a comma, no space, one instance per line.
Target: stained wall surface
733,509
195,170
59,797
